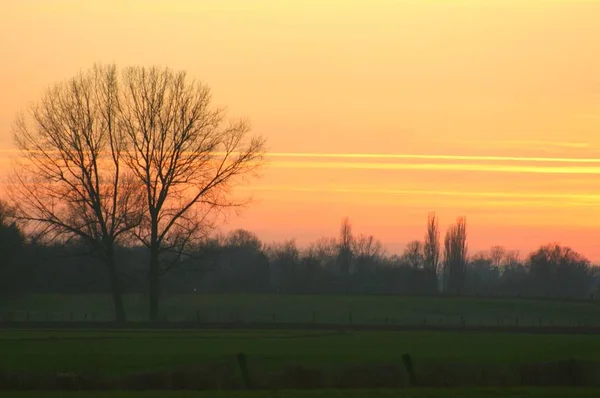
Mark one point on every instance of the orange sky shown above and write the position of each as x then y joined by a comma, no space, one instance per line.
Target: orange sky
492,106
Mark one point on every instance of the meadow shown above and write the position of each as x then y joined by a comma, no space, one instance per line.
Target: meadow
295,359
409,393
121,351
299,357
219,308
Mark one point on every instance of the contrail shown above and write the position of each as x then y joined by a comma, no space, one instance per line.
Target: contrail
440,167
317,155
431,157
425,192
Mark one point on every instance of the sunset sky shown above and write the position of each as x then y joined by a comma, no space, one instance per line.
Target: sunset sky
378,110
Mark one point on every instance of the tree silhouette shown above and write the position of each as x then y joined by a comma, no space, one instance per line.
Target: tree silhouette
186,156
559,271
344,257
11,237
71,182
431,247
455,257
413,255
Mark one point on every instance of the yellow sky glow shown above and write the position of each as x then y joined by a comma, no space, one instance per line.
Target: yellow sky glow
378,110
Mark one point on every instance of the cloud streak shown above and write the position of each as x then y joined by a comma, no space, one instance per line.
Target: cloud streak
495,168
479,198
592,198
431,157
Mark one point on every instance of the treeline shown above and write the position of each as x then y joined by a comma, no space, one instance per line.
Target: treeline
239,262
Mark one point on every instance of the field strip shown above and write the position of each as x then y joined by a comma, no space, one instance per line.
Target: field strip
183,327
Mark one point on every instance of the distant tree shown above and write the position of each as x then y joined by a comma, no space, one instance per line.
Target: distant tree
560,271
72,183
482,273
511,257
285,264
367,252
455,257
413,255
431,247
344,257
242,265
11,238
187,157
497,254
241,238
324,252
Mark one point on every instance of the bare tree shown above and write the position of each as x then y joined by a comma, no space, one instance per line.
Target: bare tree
344,258
323,251
70,182
455,256
367,252
431,247
187,157
413,255
7,214
243,238
285,262
497,254
366,246
11,237
511,258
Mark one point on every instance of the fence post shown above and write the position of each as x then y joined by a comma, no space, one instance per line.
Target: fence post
412,376
241,357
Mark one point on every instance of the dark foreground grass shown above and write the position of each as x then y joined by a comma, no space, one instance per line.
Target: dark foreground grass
408,393
114,353
312,308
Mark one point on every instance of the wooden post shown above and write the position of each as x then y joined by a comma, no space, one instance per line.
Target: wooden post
241,357
408,364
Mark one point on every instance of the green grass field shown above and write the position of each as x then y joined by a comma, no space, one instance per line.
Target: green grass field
482,359
120,352
421,393
302,308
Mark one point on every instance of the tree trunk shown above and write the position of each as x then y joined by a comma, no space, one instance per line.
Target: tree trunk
115,287
153,286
